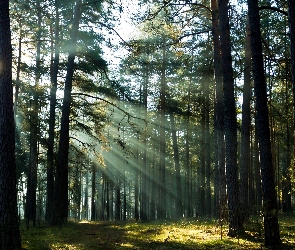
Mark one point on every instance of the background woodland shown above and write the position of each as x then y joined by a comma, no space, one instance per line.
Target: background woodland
151,110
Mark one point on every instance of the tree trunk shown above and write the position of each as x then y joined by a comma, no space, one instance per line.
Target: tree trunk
291,13
202,182
230,122
50,143
136,186
178,200
154,183
245,134
124,210
30,214
162,176
207,148
93,192
61,180
85,206
17,80
220,185
144,190
256,163
270,206
9,224
187,193
118,197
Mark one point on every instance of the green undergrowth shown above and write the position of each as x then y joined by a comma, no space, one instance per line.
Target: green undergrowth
183,234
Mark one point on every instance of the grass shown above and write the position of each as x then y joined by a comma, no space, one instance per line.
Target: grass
184,234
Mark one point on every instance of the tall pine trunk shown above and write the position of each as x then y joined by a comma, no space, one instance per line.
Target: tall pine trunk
207,148
50,143
270,205
93,192
178,199
230,122
162,141
9,225
18,70
187,193
30,210
291,13
144,176
245,134
220,182
61,180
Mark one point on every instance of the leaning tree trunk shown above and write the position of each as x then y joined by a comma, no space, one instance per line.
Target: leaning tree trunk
9,225
270,206
230,122
61,179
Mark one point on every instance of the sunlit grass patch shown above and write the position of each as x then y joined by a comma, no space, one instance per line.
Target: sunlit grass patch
183,234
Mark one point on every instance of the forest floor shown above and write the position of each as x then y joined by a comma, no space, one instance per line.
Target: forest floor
197,233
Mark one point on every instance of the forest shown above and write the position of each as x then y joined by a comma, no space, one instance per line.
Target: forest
149,118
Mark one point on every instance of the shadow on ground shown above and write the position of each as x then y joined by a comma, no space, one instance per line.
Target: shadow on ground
150,235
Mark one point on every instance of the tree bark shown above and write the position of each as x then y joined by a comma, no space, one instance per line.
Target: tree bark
187,193
93,192
17,80
50,143
245,134
61,180
144,176
230,122
178,199
162,170
207,148
270,206
86,194
9,224
291,14
202,182
30,213
256,163
220,181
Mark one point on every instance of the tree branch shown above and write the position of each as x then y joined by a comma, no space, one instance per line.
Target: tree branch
273,9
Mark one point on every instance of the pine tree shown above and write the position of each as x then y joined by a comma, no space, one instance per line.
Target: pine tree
230,122
270,206
9,225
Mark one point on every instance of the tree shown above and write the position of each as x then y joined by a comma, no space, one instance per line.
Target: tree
220,182
50,144
270,206
30,210
230,122
9,225
291,13
245,133
61,181
178,199
162,140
